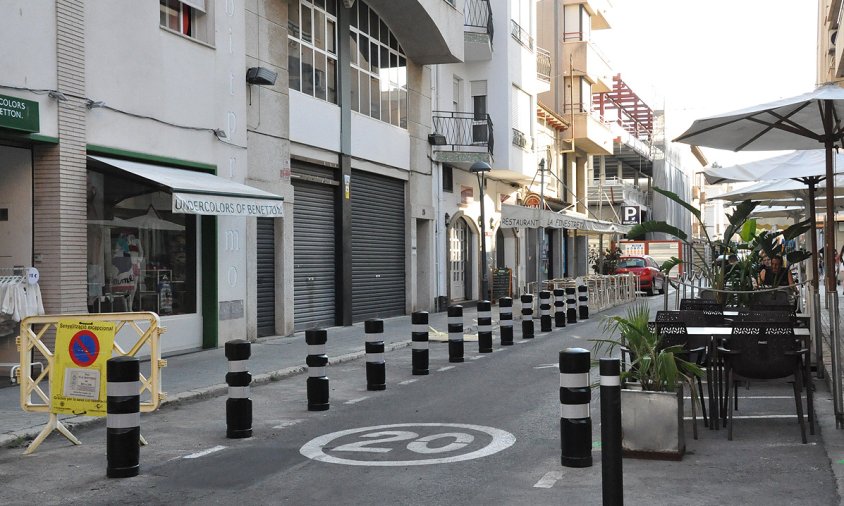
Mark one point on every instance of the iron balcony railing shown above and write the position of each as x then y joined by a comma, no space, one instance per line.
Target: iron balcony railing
543,64
478,15
521,35
464,129
522,139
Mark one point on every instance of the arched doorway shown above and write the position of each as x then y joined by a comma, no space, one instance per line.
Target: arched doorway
458,260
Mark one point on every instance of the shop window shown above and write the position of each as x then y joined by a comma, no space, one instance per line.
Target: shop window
141,256
191,18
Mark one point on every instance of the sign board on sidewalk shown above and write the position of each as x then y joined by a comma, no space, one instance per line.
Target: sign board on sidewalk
78,379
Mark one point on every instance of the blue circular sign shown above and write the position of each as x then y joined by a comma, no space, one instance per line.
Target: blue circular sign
84,348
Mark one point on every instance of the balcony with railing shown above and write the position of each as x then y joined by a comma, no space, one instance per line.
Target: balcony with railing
521,35
582,58
522,140
478,30
543,69
462,137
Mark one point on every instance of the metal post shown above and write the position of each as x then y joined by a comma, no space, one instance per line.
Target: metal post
505,320
419,338
571,304
238,405
582,299
834,336
527,316
575,414
559,307
484,327
376,369
123,417
480,169
317,362
545,311
455,333
611,462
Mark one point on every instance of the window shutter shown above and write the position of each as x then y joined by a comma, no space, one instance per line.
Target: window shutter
196,4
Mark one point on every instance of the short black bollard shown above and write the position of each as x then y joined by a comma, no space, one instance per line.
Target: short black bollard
419,339
505,320
376,369
571,301
611,464
238,405
575,414
455,333
317,362
559,307
484,327
582,299
527,316
545,311
123,417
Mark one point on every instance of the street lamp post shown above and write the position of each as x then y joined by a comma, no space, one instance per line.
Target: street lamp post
480,169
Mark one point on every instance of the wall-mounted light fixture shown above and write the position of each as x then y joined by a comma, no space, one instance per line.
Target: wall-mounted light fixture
436,140
447,218
261,75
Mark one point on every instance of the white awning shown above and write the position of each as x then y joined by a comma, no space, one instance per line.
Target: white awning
200,192
532,217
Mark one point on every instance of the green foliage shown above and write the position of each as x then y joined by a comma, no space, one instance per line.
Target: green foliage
669,264
748,231
657,226
655,367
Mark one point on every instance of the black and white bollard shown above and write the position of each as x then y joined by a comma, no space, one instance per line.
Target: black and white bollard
317,362
575,414
505,320
455,333
582,299
571,304
611,464
376,368
123,417
545,311
419,340
527,316
238,405
484,327
559,307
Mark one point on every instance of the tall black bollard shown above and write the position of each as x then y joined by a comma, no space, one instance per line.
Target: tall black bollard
545,311
505,320
484,327
611,464
317,362
238,405
527,316
559,307
419,339
575,414
123,417
571,303
582,299
376,369
455,333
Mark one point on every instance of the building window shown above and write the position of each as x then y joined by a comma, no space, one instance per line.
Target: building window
141,256
448,178
190,18
522,117
312,48
379,68
577,23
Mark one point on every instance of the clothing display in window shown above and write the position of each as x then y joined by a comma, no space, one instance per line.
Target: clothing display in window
18,299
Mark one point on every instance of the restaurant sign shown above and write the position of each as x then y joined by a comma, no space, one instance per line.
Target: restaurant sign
215,205
19,114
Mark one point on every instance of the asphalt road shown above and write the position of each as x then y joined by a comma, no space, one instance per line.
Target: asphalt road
500,412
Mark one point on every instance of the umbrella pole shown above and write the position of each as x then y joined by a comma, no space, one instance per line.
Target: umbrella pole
829,258
814,293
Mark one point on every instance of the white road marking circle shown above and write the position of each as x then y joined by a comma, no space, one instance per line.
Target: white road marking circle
383,435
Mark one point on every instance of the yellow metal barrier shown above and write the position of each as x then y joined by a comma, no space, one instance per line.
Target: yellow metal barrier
34,328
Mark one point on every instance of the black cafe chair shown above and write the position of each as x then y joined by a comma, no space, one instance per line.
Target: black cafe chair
764,352
700,305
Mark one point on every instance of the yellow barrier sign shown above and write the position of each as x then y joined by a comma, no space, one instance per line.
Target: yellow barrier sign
78,382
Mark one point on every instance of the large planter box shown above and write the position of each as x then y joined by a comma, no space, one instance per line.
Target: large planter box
652,424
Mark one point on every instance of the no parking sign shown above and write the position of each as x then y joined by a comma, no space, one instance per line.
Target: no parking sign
77,383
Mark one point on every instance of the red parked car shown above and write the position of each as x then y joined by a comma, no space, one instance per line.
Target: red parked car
650,277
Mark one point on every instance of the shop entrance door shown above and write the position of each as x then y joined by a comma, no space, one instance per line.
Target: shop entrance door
458,255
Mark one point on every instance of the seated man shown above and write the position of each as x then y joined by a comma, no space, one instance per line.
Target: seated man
776,275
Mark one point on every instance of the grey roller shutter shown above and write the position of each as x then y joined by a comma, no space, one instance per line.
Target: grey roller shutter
314,278
266,277
378,238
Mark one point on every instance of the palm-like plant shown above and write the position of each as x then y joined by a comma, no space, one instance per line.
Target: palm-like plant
657,368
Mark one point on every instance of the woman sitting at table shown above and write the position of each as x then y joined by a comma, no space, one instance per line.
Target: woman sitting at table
776,275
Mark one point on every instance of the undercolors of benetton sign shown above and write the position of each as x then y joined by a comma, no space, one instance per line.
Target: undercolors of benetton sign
189,203
19,114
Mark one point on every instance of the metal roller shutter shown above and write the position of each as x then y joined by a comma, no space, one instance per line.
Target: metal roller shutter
314,278
266,277
378,237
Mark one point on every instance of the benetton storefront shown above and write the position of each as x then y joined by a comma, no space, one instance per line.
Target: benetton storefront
152,243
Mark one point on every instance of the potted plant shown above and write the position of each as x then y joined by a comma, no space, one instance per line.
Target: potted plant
652,386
